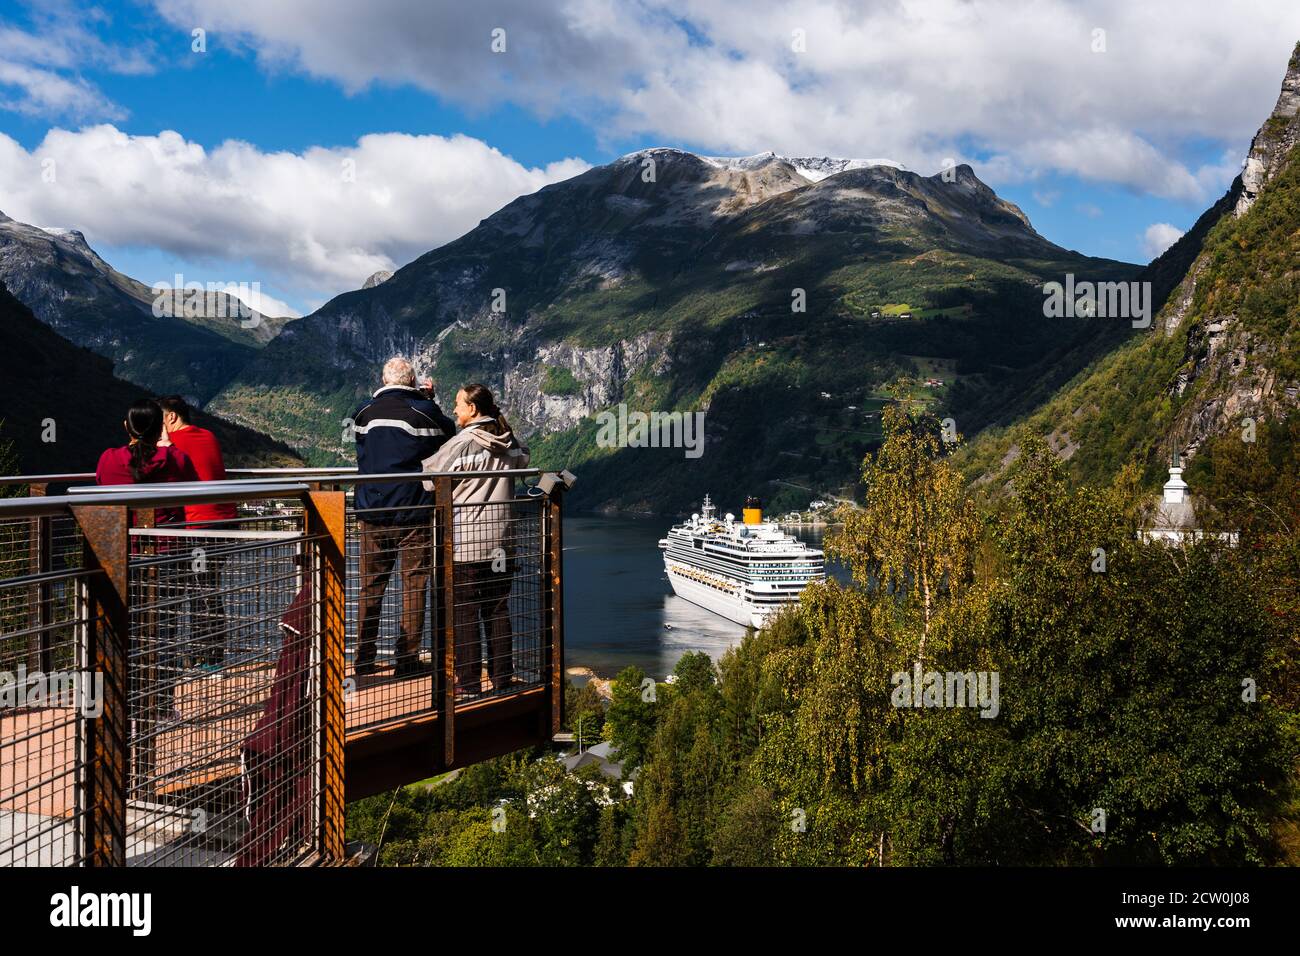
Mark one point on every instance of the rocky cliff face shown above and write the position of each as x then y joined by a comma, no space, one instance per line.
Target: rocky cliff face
1225,348
1230,371
1275,139
601,374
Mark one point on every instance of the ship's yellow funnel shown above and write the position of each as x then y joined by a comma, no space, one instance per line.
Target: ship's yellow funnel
753,512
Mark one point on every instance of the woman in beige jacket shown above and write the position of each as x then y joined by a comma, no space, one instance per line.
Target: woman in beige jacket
484,553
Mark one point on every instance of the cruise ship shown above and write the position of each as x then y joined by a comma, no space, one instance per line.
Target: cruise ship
745,571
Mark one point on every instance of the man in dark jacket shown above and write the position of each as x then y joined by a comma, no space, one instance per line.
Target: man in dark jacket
395,431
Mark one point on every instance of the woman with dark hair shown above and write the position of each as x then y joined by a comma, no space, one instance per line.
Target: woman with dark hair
143,461
483,550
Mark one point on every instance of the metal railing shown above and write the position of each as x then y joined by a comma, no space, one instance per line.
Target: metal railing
218,672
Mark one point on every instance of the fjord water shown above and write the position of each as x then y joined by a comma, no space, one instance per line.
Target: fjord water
617,599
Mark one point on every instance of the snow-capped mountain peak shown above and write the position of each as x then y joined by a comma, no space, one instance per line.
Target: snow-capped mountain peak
812,168
69,235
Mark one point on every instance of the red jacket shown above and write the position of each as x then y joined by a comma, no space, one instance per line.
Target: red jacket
202,448
167,464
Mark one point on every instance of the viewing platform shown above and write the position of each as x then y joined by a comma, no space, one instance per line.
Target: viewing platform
213,693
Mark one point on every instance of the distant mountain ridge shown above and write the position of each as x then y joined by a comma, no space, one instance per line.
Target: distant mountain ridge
51,388
744,288
56,273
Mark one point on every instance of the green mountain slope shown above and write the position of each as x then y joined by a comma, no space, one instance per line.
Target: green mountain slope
1225,349
46,379
668,281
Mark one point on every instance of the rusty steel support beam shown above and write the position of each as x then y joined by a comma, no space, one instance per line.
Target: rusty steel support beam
150,636
554,584
445,577
40,545
324,519
103,761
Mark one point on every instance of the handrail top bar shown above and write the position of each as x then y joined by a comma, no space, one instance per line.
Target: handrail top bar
342,476
47,479
332,478
325,475
291,471
146,496
60,477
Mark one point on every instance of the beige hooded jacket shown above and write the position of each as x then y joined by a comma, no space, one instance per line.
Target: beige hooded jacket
481,505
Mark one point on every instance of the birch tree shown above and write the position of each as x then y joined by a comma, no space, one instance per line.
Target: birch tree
917,536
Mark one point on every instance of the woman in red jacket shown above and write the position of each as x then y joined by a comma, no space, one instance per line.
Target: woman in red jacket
143,461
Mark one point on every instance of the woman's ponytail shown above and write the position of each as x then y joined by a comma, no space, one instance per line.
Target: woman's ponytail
480,396
144,423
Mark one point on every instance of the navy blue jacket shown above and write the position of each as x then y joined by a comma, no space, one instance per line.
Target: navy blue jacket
396,430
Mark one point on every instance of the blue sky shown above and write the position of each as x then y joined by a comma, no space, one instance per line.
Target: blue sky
1098,147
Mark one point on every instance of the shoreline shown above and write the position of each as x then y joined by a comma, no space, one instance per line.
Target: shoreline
603,685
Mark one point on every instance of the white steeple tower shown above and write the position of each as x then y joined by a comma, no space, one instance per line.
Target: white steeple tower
1175,487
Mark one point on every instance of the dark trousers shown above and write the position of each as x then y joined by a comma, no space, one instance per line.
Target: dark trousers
380,547
208,614
482,597
208,625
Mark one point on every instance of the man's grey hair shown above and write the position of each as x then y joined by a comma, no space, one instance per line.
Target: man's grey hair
398,371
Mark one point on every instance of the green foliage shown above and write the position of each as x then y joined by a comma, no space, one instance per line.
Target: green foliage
1123,691
560,381
916,536
1251,270
630,719
1128,683
519,810
1120,691
694,672
9,464
584,707
1253,489
1124,406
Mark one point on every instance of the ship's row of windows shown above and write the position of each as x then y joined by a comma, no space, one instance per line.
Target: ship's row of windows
724,562
749,556
706,581
773,580
776,581
698,544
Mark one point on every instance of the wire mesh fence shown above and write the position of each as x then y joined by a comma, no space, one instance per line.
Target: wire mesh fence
391,614
45,687
498,617
226,686
222,698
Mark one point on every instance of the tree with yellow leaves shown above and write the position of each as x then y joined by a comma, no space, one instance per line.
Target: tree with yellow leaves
918,534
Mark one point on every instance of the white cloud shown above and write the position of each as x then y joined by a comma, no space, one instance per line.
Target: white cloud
295,217
1091,210
258,300
38,92
38,66
1158,237
915,80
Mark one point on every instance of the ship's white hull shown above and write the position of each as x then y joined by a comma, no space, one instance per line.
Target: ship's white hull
731,606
